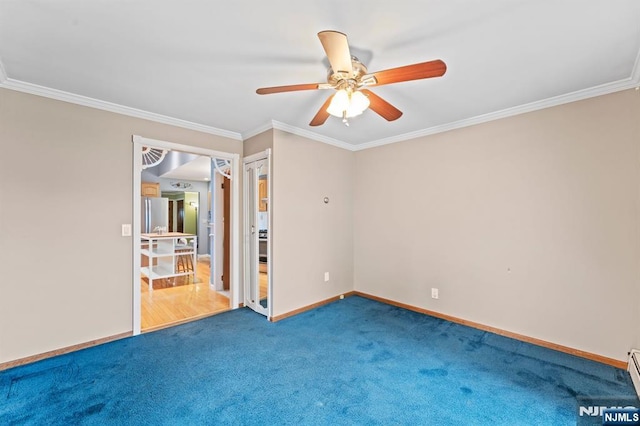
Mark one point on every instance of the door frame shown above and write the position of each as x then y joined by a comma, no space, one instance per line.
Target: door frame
236,272
264,155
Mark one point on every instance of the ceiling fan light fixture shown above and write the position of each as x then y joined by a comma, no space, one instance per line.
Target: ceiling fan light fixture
359,103
347,104
351,78
339,103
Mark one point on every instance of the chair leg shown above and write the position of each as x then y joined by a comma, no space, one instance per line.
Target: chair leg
184,263
189,263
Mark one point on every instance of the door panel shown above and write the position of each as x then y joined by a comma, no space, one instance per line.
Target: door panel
226,247
180,211
171,204
256,219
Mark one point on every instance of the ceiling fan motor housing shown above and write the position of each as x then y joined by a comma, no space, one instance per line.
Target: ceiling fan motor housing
342,79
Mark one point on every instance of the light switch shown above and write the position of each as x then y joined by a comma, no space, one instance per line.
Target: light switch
126,229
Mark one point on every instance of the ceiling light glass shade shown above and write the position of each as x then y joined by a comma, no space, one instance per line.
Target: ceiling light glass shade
339,103
353,104
359,103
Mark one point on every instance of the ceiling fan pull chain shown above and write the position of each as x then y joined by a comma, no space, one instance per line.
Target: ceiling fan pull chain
344,118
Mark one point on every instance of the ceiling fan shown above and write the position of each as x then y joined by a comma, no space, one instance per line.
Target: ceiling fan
350,78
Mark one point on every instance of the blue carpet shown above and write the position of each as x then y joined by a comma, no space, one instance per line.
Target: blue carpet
355,361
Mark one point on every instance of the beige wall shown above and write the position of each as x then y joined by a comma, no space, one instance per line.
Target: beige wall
258,143
66,187
530,224
310,237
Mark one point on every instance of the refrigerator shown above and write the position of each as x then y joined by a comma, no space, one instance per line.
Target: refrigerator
155,212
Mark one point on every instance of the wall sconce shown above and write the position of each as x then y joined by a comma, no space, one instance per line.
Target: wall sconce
193,204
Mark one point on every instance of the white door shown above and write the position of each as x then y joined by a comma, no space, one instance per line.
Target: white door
214,262
220,171
257,290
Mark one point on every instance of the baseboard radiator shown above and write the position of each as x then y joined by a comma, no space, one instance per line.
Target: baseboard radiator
634,369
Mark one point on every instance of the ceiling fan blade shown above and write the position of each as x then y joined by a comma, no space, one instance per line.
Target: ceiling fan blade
322,114
337,49
419,71
382,107
292,88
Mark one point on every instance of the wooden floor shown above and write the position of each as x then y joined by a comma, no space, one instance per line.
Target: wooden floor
178,300
263,285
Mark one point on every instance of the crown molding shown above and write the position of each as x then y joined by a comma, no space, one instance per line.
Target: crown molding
632,82
312,135
278,125
603,89
579,95
257,131
635,73
3,73
60,95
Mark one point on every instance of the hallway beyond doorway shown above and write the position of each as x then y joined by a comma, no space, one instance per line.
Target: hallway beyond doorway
178,300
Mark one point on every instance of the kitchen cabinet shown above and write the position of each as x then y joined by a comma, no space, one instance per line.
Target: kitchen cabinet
166,257
262,194
150,189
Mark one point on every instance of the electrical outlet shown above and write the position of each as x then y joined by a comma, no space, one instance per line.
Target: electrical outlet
434,293
126,229
326,277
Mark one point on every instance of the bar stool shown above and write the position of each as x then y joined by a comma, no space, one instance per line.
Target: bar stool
184,262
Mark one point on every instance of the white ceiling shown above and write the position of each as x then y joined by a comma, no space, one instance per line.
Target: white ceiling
197,63
198,169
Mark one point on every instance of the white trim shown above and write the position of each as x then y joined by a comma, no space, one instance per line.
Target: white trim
138,143
3,74
246,214
635,73
236,220
603,89
634,358
579,95
246,273
297,131
257,131
137,192
312,135
184,148
263,155
247,267
60,95
270,239
255,157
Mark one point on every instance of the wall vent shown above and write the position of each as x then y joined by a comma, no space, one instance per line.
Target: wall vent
634,369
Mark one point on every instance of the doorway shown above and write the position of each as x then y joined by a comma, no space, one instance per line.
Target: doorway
196,243
257,226
226,247
220,228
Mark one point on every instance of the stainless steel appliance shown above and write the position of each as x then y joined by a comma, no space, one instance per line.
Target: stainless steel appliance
155,213
262,245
